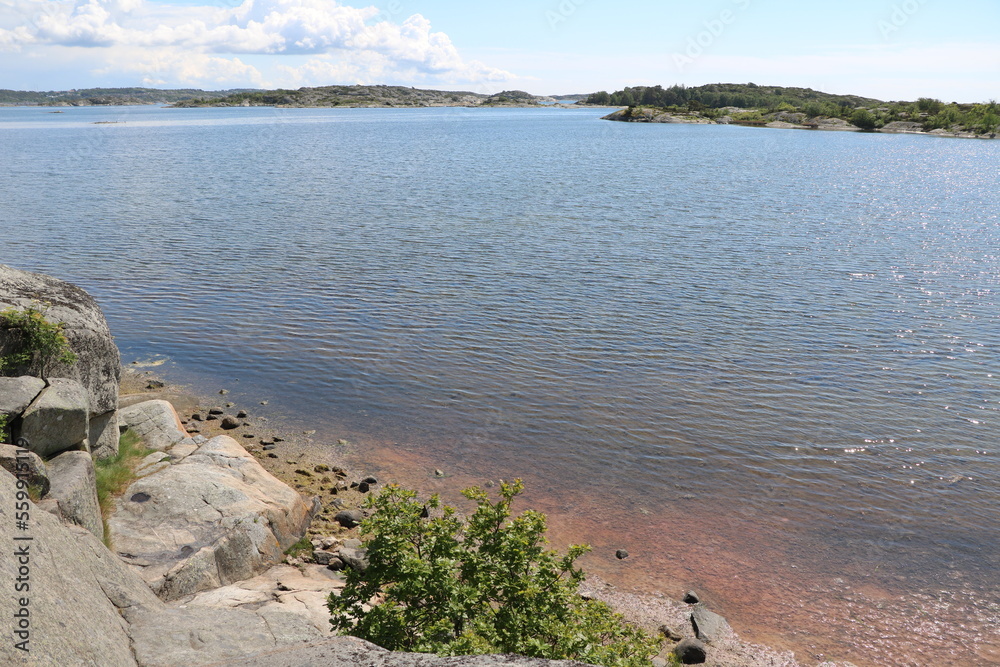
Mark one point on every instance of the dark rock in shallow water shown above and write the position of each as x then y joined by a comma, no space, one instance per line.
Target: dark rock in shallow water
621,554
709,626
229,422
691,598
242,414
690,652
215,411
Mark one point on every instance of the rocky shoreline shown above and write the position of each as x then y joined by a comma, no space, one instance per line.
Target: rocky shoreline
225,534
322,470
784,121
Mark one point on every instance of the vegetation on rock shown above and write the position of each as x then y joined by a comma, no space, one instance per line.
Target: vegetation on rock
436,583
115,474
34,343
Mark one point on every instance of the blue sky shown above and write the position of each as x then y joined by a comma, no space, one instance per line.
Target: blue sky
891,49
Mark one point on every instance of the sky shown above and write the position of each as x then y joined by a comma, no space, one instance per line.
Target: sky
887,49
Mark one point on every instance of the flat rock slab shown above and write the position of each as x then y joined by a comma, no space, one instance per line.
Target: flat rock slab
354,652
73,485
58,419
206,635
155,422
282,588
210,519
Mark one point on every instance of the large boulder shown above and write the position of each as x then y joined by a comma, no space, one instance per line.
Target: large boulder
211,518
73,487
156,422
57,420
98,364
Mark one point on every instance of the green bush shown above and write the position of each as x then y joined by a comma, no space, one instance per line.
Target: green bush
36,343
441,584
864,119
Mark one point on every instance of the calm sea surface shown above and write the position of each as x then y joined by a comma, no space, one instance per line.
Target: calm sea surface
766,362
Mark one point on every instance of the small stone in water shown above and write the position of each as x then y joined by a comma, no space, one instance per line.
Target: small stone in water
439,473
223,391
621,554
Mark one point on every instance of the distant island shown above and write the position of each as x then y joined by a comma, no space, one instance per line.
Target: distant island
797,108
324,96
90,97
368,96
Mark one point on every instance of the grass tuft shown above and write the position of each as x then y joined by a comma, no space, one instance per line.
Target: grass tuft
303,546
114,474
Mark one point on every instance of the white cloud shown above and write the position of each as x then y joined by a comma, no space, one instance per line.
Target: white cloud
186,44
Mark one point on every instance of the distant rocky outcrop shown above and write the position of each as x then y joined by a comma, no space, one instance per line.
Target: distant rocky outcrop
646,115
365,96
98,364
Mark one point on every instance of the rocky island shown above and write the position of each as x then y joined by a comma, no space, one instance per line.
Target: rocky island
367,97
798,108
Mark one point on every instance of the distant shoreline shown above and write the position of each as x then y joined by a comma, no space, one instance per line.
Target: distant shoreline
784,122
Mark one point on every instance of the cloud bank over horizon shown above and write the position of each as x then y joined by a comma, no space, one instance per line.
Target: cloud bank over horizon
318,42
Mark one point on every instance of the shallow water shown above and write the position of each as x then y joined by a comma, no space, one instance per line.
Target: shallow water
761,360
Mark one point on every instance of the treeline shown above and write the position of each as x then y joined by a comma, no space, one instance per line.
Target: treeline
718,95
